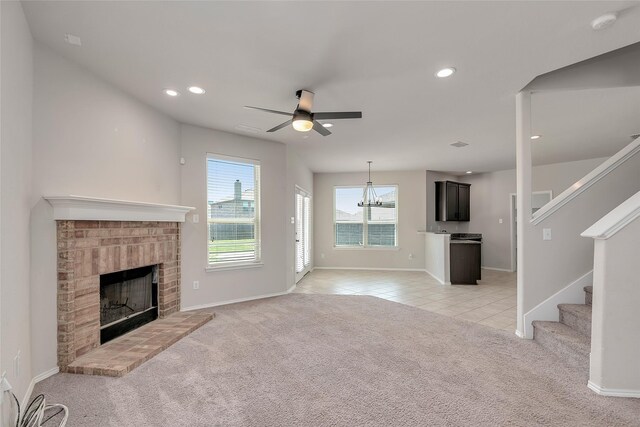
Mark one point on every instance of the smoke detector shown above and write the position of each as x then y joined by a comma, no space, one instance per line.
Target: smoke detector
604,21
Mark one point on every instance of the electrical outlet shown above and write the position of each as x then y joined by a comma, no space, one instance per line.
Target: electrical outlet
546,234
500,221
322,256
195,218
196,284
410,256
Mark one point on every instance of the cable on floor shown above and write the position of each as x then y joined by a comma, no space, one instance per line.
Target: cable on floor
35,413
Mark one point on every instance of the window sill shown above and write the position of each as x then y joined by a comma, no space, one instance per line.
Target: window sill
366,248
234,266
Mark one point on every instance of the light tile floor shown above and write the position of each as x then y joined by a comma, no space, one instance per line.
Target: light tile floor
492,302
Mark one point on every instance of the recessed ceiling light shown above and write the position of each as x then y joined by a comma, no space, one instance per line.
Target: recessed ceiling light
72,40
171,92
196,90
445,72
536,136
327,125
469,171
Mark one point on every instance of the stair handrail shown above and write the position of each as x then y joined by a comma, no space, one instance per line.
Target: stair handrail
587,181
616,220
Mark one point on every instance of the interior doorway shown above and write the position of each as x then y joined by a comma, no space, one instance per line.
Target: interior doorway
538,200
303,233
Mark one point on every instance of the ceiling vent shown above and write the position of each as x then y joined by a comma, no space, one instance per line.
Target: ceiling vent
459,144
247,128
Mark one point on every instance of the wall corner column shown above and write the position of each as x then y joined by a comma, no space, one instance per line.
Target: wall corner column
523,196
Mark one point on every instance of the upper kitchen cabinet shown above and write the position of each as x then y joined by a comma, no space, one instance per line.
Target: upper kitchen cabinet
452,201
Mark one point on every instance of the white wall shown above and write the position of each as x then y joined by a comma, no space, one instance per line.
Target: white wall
90,139
554,264
411,218
297,175
16,83
615,342
490,202
221,286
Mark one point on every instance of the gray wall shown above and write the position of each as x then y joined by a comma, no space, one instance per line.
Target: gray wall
15,187
90,139
490,202
297,174
411,218
220,286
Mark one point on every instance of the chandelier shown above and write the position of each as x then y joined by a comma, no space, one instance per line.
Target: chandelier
369,196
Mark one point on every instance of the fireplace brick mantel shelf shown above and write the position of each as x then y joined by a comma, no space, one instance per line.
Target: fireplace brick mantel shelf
86,249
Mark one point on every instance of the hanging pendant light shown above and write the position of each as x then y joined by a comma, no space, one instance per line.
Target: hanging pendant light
369,196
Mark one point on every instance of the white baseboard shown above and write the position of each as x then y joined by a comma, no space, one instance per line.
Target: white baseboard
442,282
233,301
519,334
370,269
508,270
43,376
602,391
548,309
292,288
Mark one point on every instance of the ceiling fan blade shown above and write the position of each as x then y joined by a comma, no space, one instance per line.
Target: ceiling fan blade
268,111
338,115
320,129
306,100
280,126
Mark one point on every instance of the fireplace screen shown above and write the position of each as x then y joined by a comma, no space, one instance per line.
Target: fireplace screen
128,299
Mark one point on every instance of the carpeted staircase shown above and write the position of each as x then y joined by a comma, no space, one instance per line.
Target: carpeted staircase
570,338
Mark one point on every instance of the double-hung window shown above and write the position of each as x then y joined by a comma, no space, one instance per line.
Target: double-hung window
233,211
356,226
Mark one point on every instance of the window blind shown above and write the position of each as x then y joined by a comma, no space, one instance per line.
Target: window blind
233,210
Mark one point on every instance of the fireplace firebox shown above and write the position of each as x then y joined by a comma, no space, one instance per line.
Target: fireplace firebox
128,300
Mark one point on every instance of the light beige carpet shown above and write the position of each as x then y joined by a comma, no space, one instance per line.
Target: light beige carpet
333,360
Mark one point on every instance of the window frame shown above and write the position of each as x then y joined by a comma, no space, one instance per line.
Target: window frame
257,222
365,223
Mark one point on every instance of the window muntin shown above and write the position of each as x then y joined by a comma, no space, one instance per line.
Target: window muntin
233,211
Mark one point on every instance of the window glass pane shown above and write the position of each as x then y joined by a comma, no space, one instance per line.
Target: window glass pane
231,212
381,227
349,234
348,217
347,208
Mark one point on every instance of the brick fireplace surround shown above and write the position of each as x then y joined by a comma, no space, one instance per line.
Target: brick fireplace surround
87,249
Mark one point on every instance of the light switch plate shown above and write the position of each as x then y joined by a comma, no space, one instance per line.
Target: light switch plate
195,218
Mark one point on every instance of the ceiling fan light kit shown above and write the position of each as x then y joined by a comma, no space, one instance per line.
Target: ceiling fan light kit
303,120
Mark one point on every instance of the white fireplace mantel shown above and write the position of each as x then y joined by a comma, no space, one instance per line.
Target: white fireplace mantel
97,209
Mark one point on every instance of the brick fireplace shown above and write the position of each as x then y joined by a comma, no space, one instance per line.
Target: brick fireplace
96,237
89,248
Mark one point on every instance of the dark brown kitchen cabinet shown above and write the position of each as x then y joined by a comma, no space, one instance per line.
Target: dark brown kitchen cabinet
452,201
465,262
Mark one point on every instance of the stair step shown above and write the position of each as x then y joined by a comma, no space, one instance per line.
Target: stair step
564,341
576,316
588,295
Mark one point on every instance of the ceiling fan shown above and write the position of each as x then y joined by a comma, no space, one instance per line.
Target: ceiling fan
303,120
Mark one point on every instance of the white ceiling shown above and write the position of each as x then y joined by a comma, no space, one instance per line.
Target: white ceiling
377,57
